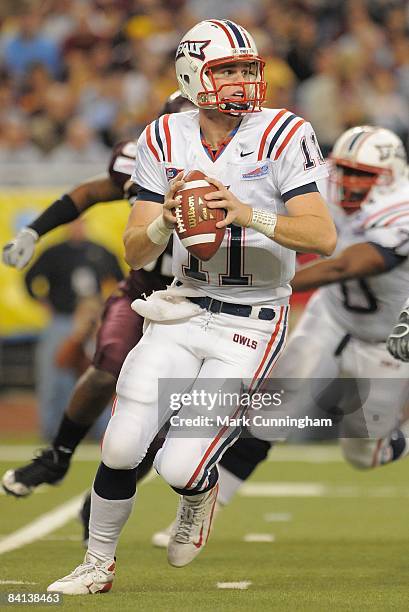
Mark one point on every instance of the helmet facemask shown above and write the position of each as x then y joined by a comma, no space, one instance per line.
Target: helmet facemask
252,91
354,182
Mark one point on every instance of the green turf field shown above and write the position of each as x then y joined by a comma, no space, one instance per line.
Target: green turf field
340,542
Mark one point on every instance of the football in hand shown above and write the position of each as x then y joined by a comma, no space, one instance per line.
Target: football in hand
196,223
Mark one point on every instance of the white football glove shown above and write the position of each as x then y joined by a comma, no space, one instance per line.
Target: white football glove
18,252
398,340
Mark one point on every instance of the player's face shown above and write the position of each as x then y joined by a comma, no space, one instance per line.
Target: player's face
233,80
355,186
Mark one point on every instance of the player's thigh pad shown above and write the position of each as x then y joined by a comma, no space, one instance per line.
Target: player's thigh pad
138,413
189,453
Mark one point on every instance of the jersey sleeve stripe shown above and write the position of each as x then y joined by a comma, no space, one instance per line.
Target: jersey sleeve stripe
278,133
288,138
267,131
150,144
395,217
373,219
159,138
167,137
221,25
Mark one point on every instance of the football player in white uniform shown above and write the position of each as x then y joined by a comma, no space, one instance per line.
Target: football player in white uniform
270,160
341,334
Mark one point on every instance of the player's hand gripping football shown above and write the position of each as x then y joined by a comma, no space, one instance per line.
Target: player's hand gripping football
18,252
236,211
398,340
170,201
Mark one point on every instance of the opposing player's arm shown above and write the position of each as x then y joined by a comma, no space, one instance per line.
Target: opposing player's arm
357,261
19,251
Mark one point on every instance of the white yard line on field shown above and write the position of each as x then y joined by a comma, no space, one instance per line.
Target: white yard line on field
15,582
319,489
259,537
43,525
50,521
243,585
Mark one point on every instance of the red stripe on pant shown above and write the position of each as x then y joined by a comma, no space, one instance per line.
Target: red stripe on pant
225,427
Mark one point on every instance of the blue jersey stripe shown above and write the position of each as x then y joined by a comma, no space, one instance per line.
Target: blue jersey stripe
278,134
159,139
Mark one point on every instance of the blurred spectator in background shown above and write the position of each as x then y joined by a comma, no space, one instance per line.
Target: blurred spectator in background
109,63
318,98
15,144
62,276
28,45
80,146
49,122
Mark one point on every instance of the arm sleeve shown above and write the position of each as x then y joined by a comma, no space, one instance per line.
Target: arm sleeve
390,256
148,173
394,238
300,161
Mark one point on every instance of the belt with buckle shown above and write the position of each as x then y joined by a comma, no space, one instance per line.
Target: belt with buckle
238,310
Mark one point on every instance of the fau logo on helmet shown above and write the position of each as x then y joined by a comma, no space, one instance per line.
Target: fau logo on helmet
195,48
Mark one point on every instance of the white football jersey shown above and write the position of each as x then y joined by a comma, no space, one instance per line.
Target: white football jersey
368,308
271,153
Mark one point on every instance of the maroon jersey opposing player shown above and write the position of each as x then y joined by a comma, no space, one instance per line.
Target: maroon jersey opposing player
120,329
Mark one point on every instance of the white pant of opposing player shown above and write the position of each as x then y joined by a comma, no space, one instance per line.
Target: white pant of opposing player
372,404
203,348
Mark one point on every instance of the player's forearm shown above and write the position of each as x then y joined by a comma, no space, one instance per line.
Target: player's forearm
318,274
94,191
360,260
139,249
72,204
306,234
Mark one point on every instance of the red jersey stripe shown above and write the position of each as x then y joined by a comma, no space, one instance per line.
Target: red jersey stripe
150,144
288,138
402,214
267,131
383,211
167,137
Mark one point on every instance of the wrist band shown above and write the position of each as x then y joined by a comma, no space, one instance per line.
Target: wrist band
263,221
158,232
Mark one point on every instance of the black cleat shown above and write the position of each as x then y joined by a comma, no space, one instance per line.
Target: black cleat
48,467
84,515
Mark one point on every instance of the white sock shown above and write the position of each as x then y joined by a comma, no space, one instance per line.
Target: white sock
229,484
108,516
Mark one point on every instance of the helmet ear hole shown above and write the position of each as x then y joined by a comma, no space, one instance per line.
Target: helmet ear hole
186,78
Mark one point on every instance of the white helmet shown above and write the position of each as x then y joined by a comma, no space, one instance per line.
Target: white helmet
365,157
213,43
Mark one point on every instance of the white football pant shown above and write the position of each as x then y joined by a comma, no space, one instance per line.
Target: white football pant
189,355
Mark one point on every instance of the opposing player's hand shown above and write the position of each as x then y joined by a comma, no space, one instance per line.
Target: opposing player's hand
236,211
398,340
170,201
18,252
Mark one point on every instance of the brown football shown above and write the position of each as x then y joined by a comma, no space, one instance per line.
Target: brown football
196,223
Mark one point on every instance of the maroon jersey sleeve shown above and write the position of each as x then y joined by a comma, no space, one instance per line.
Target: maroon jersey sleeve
122,163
